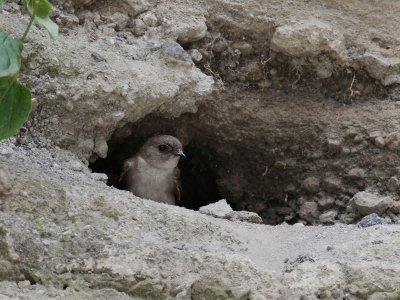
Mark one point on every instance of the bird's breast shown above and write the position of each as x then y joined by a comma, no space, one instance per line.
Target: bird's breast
153,183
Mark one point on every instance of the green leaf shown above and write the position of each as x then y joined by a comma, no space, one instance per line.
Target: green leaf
15,99
2,2
15,106
10,55
41,10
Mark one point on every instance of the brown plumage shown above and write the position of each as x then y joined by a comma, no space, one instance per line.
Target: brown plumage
152,173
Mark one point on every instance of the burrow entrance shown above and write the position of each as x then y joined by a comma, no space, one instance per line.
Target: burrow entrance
198,169
213,169
264,154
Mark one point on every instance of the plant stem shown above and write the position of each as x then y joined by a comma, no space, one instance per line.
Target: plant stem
27,28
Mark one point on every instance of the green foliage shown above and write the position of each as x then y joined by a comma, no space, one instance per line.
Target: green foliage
40,10
16,99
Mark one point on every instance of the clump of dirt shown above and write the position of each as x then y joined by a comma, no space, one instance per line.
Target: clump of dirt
242,64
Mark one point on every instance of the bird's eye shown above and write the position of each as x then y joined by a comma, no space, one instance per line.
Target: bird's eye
162,148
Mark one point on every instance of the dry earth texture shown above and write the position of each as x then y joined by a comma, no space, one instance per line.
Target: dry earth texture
286,108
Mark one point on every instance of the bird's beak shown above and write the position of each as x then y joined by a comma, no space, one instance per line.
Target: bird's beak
180,153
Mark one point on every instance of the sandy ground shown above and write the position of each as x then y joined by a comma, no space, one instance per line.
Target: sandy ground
65,228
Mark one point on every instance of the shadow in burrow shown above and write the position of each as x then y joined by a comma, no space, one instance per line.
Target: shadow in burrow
205,174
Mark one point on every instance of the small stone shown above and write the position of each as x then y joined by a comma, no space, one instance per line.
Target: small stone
75,166
244,47
174,50
326,202
107,88
328,217
298,224
246,216
195,54
356,173
46,242
395,207
371,220
83,16
367,203
393,141
67,20
220,209
332,185
108,30
101,147
67,232
97,19
149,19
393,184
100,177
379,142
374,134
118,116
308,38
311,185
346,218
340,203
358,139
309,211
98,57
139,27
334,145
120,20
193,32
351,133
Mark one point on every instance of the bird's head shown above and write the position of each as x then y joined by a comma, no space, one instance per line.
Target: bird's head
162,151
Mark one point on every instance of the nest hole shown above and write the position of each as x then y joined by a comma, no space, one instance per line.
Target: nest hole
207,172
198,169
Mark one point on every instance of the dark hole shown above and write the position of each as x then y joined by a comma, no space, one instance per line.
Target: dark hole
199,180
65,286
28,276
198,169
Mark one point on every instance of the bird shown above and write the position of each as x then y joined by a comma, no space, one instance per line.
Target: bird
153,173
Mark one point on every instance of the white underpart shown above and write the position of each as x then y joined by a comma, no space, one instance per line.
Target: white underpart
155,182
